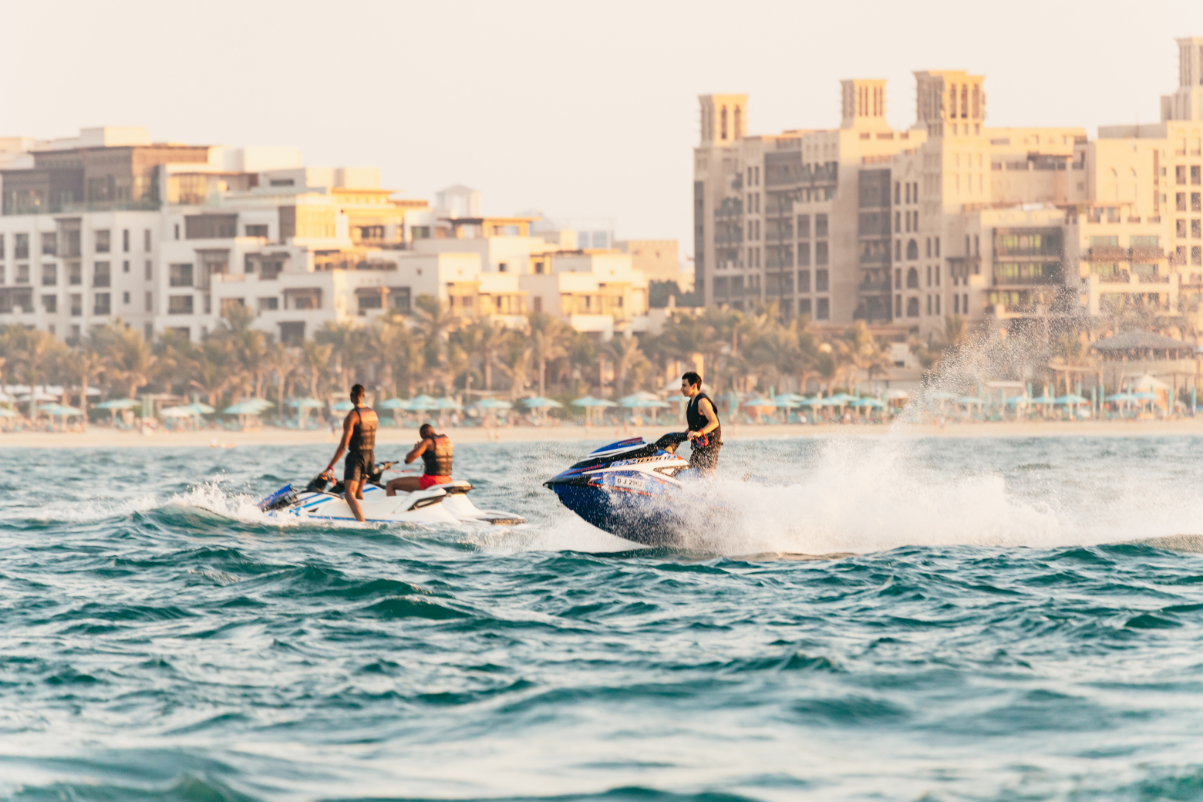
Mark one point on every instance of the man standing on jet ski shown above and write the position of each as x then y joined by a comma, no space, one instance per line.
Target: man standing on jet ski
359,441
436,452
705,433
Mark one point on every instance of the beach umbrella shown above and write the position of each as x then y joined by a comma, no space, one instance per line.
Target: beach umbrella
177,412
119,403
643,403
342,406
813,401
393,403
1145,396
244,408
493,403
539,402
969,399
422,403
758,402
200,408
60,410
843,397
867,402
447,403
1120,397
781,402
943,396
590,401
1072,400
1018,400
897,395
5,412
305,403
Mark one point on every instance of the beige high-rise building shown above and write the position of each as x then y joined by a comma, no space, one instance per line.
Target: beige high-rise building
951,217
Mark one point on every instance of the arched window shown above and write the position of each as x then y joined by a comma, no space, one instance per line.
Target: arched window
952,102
912,307
964,101
912,279
722,117
912,250
738,120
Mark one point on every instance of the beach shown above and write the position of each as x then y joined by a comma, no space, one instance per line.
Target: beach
104,437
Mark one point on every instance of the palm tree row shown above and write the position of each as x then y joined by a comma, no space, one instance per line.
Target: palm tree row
434,352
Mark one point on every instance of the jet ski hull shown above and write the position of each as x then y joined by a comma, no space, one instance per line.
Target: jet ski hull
625,513
438,505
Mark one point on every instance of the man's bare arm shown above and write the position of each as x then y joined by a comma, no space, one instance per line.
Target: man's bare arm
417,451
342,444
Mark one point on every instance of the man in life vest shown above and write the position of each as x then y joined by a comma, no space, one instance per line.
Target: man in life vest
705,434
359,443
436,452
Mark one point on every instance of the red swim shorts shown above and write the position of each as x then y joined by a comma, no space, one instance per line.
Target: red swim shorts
427,482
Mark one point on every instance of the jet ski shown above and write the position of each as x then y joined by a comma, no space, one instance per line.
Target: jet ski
440,504
636,490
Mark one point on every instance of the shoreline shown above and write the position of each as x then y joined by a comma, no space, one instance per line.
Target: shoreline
103,437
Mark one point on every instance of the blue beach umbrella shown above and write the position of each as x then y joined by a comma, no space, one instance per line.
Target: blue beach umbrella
590,401
393,403
119,403
539,402
341,406
1071,400
305,403
493,403
423,403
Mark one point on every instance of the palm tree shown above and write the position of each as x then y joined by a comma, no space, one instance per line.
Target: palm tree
627,357
34,354
865,352
214,369
350,343
485,340
315,357
286,362
130,358
517,367
435,321
547,343
84,363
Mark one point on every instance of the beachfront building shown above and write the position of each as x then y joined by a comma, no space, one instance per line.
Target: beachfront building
1012,226
166,237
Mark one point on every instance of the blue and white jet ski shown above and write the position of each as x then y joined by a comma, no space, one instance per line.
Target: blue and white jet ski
634,490
441,504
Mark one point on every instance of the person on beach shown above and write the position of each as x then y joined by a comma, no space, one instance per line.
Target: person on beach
436,452
705,434
359,441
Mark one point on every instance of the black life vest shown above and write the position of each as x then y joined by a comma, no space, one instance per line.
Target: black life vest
438,459
697,421
363,434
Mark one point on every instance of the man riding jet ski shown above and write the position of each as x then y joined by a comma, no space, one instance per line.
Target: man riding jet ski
634,489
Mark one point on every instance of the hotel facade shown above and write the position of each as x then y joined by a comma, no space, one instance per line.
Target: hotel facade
902,228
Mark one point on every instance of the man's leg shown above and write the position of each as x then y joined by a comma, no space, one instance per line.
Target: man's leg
406,484
704,460
353,494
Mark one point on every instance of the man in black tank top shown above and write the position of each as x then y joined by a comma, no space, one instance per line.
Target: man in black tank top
705,433
359,441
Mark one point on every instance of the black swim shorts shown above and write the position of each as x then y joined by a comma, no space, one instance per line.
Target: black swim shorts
705,459
359,466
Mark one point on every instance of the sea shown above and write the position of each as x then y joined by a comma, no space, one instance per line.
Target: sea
882,618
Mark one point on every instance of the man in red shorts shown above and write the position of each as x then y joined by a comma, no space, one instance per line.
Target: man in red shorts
436,452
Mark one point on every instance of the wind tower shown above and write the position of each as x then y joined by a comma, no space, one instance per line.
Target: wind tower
949,103
1187,102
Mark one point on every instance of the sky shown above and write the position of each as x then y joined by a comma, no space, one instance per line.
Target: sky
576,108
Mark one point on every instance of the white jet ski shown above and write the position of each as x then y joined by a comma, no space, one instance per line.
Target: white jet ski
441,504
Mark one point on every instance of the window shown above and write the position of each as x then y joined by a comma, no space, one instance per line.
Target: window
977,246
956,304
898,221
179,305
820,225
100,274
269,304
125,298
898,193
804,306
803,226
77,304
898,278
937,304
210,226
100,304
803,254
259,231
937,247
146,240
1,273
177,230
937,270
821,281
897,306
1,246
1145,241
1180,174
898,250
150,301
822,309
49,275
1195,230
125,240
929,247
20,246
102,240
125,266
50,303
180,275
74,273
1195,176
929,275
1095,242
820,253
1180,202
912,250
1196,202
803,281
929,304
150,270
22,274
912,279
1196,255
912,307
148,332
49,243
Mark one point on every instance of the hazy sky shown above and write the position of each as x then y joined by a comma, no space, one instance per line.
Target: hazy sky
578,109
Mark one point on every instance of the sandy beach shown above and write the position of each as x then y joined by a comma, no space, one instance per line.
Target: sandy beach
103,437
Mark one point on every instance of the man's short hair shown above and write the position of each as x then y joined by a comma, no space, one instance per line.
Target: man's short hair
426,429
692,377
357,391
